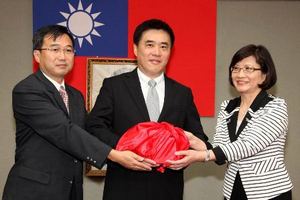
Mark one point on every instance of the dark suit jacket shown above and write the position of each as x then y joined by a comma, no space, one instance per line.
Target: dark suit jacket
50,143
121,105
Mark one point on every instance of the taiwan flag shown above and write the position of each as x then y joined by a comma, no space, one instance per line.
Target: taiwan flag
103,28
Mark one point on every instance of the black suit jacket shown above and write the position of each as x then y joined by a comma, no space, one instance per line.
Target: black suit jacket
50,143
121,105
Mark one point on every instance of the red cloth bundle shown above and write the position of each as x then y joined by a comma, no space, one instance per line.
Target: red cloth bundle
156,141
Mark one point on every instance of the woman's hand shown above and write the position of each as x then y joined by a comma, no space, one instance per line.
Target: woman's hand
190,156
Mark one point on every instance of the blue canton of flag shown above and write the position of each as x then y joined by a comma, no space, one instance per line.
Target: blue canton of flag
100,28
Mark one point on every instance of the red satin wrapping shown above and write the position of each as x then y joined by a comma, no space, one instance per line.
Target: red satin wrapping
156,141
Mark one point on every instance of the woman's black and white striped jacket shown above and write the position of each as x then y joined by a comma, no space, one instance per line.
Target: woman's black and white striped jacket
256,150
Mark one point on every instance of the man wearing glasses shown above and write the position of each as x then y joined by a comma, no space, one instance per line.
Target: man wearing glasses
50,140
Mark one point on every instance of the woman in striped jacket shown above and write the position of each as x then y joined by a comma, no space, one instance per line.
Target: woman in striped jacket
250,133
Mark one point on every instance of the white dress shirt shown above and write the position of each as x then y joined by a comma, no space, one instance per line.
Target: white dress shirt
56,84
160,86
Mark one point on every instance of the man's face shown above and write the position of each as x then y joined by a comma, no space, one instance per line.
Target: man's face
153,52
56,58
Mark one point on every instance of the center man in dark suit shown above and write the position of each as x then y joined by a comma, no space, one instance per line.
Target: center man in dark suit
121,104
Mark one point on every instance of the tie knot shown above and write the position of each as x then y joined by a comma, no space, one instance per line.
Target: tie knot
62,90
152,83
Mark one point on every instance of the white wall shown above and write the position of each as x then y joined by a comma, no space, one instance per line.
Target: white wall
15,56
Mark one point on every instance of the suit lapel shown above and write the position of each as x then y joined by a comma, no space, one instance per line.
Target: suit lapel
72,102
61,102
232,122
243,124
169,94
52,89
135,90
260,101
231,125
133,84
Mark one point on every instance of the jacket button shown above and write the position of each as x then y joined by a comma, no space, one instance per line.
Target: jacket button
75,161
71,182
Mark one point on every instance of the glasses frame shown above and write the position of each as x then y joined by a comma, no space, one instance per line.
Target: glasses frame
57,50
245,69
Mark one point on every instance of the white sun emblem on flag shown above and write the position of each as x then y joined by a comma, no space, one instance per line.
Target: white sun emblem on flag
81,22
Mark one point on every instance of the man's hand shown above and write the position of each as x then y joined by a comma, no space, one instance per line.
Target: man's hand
131,160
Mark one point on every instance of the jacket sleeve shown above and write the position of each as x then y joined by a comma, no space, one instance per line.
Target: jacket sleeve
100,119
36,110
192,120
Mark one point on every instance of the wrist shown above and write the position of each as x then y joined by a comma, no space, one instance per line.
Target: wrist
207,156
112,155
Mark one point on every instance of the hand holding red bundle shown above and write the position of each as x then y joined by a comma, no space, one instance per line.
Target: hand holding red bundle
156,141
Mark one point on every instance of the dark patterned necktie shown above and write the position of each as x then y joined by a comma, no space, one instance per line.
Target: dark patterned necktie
64,96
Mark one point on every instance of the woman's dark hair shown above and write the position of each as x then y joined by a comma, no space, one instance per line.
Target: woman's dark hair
53,31
263,58
152,24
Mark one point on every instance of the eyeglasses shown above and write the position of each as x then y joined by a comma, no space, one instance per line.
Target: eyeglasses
246,69
58,50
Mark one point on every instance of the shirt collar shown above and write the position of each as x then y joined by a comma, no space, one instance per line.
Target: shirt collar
143,77
56,84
